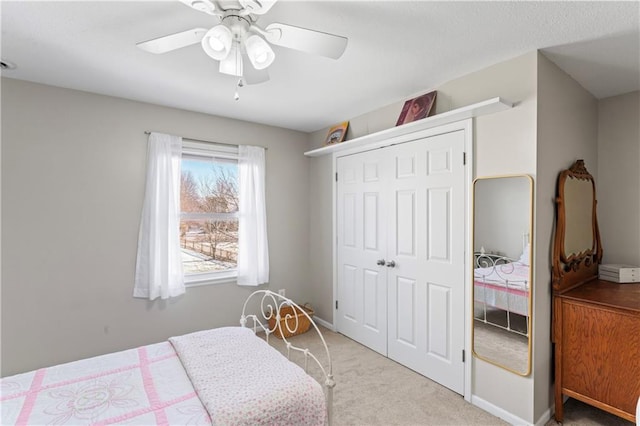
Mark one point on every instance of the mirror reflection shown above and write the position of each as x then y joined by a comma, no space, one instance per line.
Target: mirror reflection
578,205
502,225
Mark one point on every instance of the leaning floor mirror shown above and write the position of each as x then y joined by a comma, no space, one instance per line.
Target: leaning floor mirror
502,235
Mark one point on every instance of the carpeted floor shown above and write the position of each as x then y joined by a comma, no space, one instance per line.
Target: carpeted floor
504,347
373,390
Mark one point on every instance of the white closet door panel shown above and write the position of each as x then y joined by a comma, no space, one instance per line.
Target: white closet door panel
444,259
349,219
406,223
374,305
405,166
371,213
405,301
362,310
436,265
439,321
439,161
350,289
438,225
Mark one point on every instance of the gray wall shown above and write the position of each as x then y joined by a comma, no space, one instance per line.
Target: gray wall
618,183
73,172
321,236
567,129
507,135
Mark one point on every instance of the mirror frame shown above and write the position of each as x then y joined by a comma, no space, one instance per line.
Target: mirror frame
527,371
573,270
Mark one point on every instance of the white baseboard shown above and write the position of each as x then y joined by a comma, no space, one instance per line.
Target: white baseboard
546,416
325,324
497,411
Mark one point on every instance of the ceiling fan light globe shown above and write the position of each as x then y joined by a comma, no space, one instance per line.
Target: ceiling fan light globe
260,53
217,42
261,57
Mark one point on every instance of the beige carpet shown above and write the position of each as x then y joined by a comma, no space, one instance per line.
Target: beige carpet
504,347
373,390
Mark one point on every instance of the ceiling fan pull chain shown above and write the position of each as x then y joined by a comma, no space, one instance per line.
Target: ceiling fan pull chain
238,58
236,96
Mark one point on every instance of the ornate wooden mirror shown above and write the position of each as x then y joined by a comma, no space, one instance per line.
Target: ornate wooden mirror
502,230
596,323
577,248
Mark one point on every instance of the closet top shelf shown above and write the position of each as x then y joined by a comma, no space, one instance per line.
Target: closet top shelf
474,110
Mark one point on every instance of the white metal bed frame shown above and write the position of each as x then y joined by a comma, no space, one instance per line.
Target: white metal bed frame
270,304
502,266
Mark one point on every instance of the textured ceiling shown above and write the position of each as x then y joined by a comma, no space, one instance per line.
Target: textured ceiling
396,49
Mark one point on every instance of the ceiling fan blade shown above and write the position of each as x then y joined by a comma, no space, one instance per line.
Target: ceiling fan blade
252,75
173,41
205,6
306,40
258,7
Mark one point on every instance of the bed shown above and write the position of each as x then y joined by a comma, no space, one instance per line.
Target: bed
501,291
229,375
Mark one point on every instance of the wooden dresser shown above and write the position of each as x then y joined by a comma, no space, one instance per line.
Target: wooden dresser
596,324
597,337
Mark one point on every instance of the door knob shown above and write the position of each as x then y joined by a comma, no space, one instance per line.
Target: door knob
391,264
381,262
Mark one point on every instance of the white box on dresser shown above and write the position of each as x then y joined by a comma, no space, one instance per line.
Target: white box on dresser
619,273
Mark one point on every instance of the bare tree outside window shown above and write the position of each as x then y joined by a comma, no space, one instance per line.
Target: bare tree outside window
209,224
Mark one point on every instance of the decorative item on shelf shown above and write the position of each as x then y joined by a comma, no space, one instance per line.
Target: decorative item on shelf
337,133
417,108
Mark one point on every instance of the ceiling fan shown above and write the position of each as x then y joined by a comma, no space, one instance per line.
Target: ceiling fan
237,38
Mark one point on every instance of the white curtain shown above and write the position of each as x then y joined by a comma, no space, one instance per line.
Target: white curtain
253,251
159,264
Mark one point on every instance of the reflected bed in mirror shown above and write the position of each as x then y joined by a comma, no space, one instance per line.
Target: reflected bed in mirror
502,230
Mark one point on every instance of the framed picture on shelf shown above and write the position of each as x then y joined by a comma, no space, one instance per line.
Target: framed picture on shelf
417,108
337,133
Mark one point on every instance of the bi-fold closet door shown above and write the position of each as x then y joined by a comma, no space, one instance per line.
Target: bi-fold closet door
400,253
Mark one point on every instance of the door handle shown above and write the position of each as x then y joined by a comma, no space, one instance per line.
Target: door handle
381,262
391,264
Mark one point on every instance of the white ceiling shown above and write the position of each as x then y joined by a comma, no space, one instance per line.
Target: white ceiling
396,49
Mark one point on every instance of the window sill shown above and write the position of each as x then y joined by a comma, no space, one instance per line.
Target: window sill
197,280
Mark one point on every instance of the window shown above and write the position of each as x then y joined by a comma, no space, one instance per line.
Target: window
209,212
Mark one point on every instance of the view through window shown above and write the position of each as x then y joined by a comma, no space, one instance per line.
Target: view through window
209,216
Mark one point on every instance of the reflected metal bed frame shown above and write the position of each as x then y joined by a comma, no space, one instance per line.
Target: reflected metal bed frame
501,267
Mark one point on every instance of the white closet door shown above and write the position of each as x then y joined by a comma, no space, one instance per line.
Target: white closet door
426,242
362,283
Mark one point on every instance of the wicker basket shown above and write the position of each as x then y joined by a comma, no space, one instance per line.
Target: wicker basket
303,321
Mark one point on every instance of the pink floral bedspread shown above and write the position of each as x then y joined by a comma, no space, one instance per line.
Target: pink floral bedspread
249,382
146,385
143,386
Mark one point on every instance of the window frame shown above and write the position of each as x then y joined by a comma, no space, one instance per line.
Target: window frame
212,151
